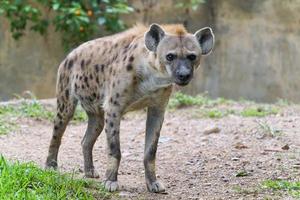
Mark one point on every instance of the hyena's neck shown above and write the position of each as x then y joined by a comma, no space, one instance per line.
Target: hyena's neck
151,76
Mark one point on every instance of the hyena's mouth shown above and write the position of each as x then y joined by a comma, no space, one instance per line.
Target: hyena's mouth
182,82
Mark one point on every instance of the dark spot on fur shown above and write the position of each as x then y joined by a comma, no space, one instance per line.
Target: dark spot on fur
55,128
80,78
76,87
124,58
77,76
97,80
131,58
135,46
91,76
116,45
82,64
114,115
102,68
115,132
129,67
111,124
96,68
85,79
82,86
111,99
94,95
116,103
110,70
59,116
67,94
113,85
70,65
54,137
117,95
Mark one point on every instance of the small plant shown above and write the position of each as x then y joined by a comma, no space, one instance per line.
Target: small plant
214,113
292,187
79,115
6,126
268,130
34,110
27,181
259,111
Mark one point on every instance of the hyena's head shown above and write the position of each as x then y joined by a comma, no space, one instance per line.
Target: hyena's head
180,52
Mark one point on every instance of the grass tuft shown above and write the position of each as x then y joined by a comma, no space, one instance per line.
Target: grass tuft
180,100
259,111
292,187
27,181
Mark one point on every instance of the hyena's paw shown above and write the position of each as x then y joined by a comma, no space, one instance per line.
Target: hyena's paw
92,173
156,187
51,164
111,186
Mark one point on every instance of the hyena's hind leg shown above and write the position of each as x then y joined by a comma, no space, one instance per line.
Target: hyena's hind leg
95,127
65,111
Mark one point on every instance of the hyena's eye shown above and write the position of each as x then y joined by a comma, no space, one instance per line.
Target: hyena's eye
191,57
170,57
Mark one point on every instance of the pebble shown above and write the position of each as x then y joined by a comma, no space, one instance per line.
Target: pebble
235,159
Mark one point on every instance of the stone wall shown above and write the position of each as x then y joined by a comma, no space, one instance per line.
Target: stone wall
256,54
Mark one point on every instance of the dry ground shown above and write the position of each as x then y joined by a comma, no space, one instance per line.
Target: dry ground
192,164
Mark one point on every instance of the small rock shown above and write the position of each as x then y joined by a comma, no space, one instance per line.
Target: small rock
285,147
211,130
240,145
235,159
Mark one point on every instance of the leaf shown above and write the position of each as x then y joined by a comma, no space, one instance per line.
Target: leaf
55,6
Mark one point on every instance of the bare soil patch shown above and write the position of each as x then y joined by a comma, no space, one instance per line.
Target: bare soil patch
198,158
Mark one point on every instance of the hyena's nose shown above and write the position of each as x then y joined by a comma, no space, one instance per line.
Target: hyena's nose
184,75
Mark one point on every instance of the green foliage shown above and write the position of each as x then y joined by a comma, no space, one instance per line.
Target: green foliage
193,4
218,108
27,181
30,109
182,100
77,20
34,110
79,115
292,187
259,111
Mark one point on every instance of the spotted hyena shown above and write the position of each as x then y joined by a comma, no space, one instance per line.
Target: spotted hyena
112,75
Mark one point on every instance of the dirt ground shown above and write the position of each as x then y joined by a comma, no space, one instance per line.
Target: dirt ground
191,163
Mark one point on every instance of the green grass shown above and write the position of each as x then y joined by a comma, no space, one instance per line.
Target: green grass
27,181
291,187
260,111
179,100
33,109
218,108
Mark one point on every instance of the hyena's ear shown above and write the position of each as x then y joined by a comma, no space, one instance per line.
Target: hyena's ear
206,39
153,37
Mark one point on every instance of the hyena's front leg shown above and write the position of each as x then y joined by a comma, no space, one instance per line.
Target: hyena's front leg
112,127
155,118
